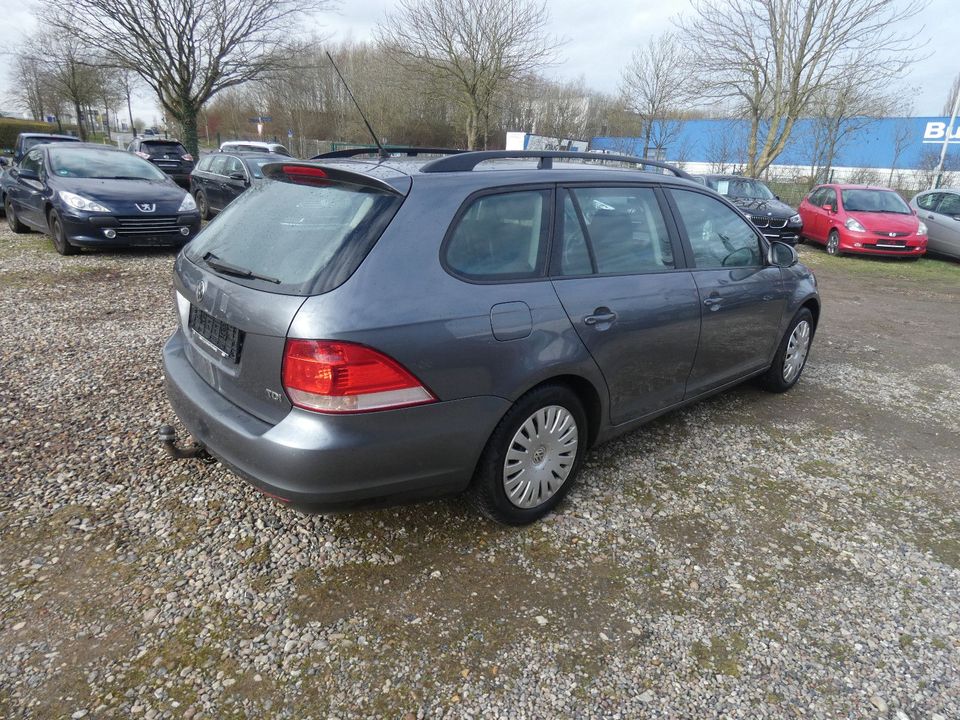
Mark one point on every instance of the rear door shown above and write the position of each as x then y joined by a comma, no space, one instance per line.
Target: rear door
617,272
742,299
213,182
233,184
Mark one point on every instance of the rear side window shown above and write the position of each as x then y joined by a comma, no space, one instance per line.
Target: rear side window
501,237
626,230
301,240
217,164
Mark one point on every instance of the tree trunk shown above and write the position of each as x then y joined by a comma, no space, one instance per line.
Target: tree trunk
187,119
79,115
133,127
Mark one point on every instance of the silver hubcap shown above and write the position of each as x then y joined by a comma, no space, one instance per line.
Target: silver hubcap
833,242
797,348
540,457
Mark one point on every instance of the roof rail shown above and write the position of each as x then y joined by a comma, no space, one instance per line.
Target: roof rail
469,160
396,150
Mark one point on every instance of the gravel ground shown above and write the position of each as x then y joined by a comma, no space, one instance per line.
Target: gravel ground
753,556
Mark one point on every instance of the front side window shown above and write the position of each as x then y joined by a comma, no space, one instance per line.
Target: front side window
501,237
928,201
949,205
815,198
829,198
31,162
625,229
719,236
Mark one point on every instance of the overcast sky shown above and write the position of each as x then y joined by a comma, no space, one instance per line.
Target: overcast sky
601,38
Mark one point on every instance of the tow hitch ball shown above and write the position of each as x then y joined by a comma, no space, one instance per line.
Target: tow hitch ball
168,438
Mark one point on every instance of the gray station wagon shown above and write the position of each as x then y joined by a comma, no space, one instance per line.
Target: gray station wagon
359,329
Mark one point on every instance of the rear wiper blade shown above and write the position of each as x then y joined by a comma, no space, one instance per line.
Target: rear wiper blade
215,263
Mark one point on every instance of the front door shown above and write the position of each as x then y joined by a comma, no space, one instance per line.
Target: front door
742,299
944,231
26,194
635,310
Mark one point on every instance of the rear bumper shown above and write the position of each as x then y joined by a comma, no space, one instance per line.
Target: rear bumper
331,462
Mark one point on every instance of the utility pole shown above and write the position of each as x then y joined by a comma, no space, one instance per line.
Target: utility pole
946,141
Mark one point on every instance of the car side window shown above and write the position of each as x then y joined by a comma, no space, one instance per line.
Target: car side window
949,205
928,201
814,197
204,164
233,165
32,162
217,164
625,229
829,198
574,254
719,236
501,236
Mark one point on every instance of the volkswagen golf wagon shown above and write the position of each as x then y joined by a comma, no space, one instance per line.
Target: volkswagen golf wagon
360,329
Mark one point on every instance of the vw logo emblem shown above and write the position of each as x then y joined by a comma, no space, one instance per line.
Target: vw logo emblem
201,289
146,207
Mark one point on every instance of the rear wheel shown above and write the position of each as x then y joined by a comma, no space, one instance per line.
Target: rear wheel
202,205
60,241
833,244
791,356
12,220
532,457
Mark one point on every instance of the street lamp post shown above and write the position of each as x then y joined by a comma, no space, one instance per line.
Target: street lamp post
946,141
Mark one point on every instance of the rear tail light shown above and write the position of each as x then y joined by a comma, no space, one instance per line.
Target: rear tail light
305,175
188,157
339,377
144,155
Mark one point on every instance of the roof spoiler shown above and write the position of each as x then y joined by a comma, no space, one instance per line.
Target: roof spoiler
308,173
395,150
465,162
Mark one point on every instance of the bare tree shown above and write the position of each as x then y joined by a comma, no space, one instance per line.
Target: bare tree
186,51
902,135
477,46
771,57
657,86
951,96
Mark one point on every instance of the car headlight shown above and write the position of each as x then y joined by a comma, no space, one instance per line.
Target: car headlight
852,224
922,228
78,202
188,204
794,219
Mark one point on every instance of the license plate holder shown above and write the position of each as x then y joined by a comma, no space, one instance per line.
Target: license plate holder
221,337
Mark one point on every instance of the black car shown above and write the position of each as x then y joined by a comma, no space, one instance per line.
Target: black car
25,141
220,178
168,155
775,219
94,196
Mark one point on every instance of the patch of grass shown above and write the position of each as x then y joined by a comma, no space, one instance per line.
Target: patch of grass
894,268
721,655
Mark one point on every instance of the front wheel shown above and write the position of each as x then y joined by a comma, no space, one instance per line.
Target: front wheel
791,355
532,457
60,241
12,220
833,244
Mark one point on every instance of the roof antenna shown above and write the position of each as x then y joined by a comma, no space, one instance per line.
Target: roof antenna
382,153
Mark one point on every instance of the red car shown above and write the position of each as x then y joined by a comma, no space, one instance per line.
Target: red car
862,219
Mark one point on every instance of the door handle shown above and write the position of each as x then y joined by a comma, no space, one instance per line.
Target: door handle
929,217
600,318
713,302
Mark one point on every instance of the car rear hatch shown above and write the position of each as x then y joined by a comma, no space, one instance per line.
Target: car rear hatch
168,156
240,283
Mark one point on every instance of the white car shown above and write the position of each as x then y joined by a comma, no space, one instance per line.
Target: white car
940,210
254,146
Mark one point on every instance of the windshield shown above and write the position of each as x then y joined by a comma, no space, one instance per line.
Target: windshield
740,187
31,142
879,201
163,149
96,164
298,239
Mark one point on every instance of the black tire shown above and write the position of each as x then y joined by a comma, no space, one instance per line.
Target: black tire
488,490
774,380
60,241
12,220
833,244
202,205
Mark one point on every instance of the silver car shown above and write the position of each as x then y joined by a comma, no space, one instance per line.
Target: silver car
359,330
940,210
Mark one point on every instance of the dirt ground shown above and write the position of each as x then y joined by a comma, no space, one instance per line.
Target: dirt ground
753,556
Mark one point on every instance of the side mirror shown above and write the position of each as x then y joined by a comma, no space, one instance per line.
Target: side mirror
27,174
828,207
776,197
237,176
782,255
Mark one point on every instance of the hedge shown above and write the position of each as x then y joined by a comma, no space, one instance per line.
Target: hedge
11,127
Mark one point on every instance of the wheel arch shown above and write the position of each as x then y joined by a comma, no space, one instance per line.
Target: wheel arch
586,393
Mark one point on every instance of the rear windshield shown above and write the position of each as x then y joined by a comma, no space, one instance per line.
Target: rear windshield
30,142
885,201
162,149
301,240
81,162
740,188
